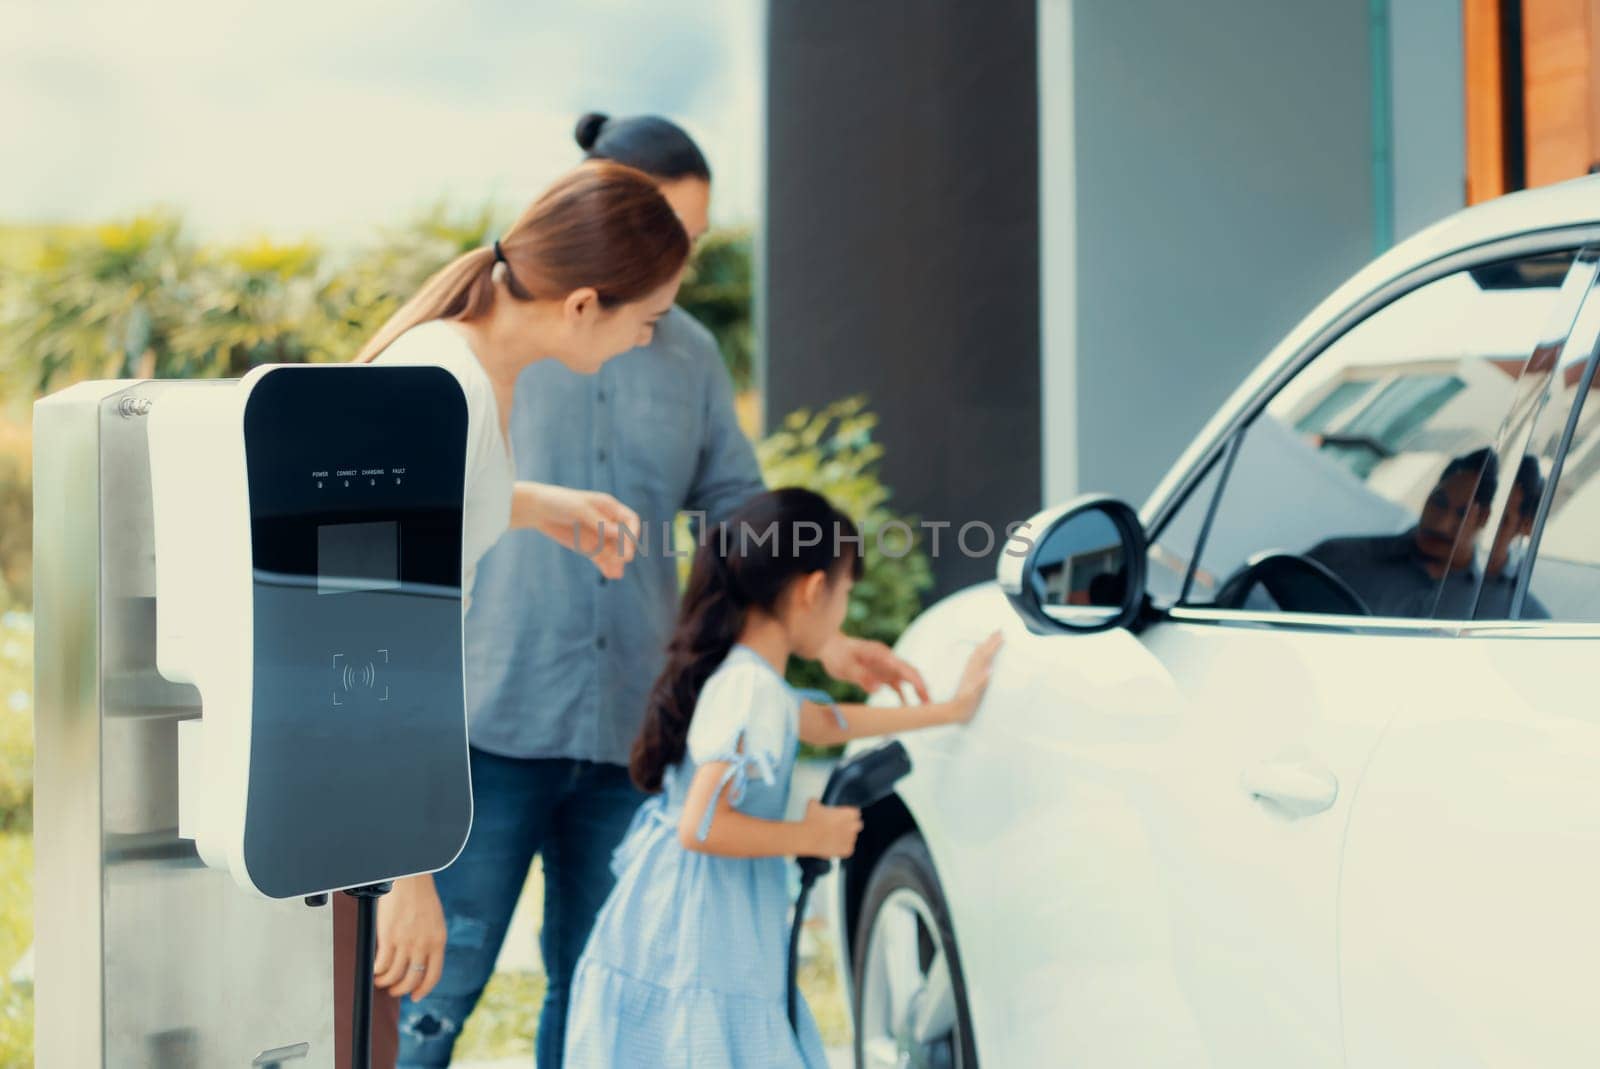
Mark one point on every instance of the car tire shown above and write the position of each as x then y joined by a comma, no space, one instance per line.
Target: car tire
903,932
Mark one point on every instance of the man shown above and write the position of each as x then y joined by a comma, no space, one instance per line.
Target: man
560,659
1429,570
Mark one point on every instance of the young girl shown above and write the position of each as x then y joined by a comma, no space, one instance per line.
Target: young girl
686,964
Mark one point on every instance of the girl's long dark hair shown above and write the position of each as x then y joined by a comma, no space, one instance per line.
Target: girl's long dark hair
744,563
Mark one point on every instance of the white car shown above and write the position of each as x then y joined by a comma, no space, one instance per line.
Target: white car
1300,765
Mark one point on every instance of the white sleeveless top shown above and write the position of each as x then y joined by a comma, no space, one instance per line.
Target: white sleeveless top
491,469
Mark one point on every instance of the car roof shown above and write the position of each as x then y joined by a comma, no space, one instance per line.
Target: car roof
1565,204
1574,203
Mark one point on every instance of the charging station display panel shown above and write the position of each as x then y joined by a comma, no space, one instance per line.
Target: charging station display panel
358,746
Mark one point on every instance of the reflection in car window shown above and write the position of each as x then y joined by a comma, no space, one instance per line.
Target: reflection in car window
1565,580
1376,463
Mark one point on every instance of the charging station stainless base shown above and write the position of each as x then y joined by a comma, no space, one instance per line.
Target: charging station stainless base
143,957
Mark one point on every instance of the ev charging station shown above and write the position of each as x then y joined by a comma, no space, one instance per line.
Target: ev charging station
248,684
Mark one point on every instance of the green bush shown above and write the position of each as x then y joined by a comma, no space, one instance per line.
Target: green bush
832,452
719,291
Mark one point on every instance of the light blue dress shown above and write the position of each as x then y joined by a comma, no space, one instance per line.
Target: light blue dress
686,965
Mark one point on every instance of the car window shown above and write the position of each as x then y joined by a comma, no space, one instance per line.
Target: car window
1367,482
1172,550
1564,582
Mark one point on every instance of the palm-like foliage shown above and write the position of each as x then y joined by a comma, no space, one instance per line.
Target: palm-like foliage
141,300
92,303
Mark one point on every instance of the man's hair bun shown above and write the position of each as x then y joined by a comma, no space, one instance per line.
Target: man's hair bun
588,130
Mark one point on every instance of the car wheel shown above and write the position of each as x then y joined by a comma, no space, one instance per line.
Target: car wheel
910,997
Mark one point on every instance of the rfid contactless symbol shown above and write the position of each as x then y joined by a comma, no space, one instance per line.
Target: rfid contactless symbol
351,676
364,676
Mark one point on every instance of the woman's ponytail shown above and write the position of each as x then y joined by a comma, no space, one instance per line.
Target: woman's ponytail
461,289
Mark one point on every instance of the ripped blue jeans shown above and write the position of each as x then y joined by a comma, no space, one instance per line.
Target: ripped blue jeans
573,814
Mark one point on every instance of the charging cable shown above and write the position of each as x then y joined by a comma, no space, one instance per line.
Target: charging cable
810,869
864,779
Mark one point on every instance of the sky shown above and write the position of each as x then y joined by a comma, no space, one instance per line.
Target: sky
331,119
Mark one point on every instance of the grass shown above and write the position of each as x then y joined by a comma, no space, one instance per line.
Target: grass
16,933
507,1018
16,722
16,1026
16,836
819,982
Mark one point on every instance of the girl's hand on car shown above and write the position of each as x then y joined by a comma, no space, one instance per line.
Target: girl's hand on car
830,830
975,679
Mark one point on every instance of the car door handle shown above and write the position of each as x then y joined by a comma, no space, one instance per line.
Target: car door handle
1297,788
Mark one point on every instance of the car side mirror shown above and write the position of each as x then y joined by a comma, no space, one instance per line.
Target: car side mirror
1079,567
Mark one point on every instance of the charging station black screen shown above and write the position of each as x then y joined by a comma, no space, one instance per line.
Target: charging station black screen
358,556
358,741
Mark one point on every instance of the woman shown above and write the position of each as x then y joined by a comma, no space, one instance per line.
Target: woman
555,697
583,275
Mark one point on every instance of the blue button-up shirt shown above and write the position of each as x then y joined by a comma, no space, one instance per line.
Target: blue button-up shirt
559,659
